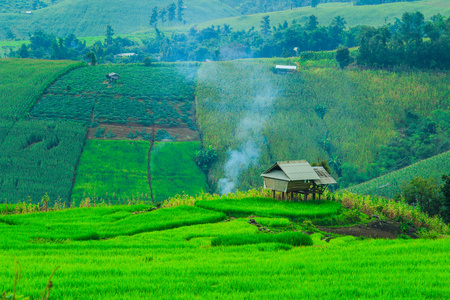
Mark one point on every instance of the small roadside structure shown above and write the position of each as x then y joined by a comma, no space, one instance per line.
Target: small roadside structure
112,77
122,55
296,177
282,69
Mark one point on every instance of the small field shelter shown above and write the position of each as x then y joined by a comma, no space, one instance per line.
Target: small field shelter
296,177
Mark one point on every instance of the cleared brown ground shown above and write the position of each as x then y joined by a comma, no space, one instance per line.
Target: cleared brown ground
183,134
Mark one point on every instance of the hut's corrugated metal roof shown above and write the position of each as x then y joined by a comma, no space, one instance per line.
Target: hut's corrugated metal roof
277,174
283,67
294,170
325,177
298,170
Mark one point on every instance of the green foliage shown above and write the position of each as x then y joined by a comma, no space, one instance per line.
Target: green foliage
173,170
113,171
390,184
204,158
147,61
403,44
289,238
265,207
38,157
423,193
24,80
446,201
147,96
343,57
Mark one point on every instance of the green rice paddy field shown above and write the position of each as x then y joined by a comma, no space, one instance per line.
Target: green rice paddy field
112,171
174,171
142,260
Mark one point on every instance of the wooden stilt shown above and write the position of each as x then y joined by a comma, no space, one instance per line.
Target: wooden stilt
273,194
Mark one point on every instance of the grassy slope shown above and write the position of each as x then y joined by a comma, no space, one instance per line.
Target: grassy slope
87,18
174,171
113,170
24,80
181,264
362,109
389,184
38,157
373,15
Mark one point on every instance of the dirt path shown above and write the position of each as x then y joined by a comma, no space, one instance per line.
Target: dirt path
149,174
379,229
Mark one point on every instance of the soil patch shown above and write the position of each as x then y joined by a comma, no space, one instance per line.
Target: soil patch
379,229
182,134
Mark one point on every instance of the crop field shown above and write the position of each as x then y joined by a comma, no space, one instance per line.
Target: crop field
38,157
113,171
155,255
174,171
162,95
371,15
272,208
278,114
389,184
24,80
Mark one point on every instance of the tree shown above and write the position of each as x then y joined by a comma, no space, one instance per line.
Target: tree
154,16
171,12
109,35
180,10
147,61
162,15
23,51
343,57
423,193
312,23
265,25
314,3
445,189
91,56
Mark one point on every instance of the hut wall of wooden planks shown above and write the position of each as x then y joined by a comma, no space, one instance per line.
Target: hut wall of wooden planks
296,178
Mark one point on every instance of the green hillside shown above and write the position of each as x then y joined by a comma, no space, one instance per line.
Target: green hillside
38,158
88,18
389,184
24,80
162,94
372,15
255,117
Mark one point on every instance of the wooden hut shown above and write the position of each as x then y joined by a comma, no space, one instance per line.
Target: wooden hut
281,69
292,178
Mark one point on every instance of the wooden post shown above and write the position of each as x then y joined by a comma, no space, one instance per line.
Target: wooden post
273,194
282,195
314,191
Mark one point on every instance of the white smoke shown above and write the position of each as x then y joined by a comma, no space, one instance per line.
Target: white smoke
249,135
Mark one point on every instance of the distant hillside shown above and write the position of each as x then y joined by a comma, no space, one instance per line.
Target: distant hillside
373,15
255,117
88,18
389,184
